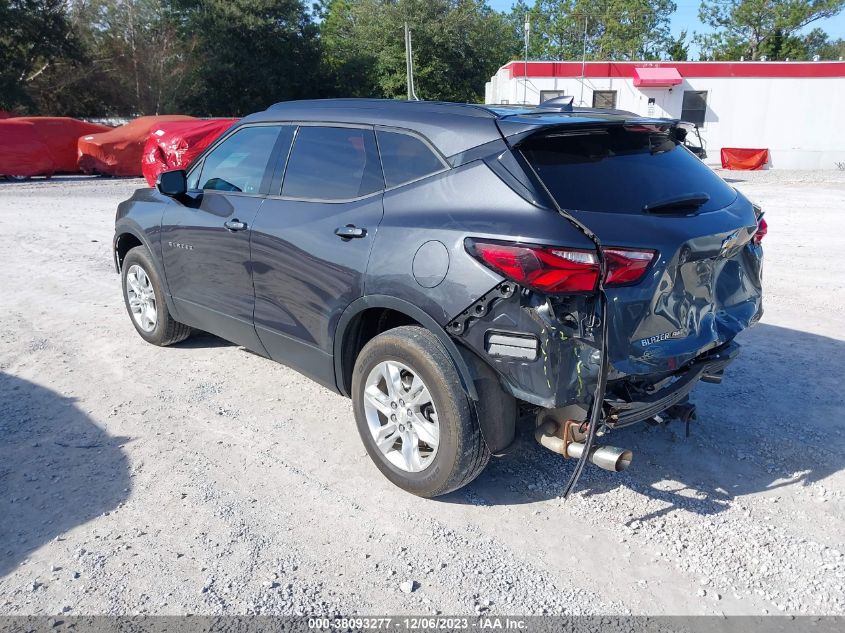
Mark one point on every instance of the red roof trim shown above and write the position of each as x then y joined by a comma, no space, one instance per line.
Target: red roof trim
686,69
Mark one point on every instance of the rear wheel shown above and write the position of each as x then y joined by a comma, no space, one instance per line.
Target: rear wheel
412,414
144,298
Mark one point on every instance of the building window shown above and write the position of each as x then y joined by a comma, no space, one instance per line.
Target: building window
604,99
695,106
545,95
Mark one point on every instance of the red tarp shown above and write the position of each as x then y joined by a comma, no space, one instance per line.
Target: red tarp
657,77
118,152
175,145
61,135
41,146
22,150
743,158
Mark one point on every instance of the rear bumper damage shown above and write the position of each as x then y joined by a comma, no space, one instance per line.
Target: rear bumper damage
643,405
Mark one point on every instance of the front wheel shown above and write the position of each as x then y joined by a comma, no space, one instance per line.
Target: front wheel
413,416
144,298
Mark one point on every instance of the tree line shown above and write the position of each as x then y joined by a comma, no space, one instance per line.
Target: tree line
232,57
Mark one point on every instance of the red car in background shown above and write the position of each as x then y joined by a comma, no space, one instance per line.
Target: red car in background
174,145
41,146
118,151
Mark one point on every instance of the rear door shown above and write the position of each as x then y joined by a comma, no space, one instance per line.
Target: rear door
636,187
311,243
205,238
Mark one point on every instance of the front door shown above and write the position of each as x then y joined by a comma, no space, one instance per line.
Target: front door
311,244
205,239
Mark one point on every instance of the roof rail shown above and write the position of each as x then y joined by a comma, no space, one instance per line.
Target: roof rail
472,109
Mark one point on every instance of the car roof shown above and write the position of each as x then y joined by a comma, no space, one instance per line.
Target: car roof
452,127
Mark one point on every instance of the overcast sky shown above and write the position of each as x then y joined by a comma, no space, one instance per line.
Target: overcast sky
686,17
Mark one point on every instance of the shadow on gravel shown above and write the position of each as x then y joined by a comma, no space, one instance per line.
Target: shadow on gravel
772,423
203,340
58,469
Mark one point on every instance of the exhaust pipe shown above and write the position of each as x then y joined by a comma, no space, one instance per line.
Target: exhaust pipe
607,457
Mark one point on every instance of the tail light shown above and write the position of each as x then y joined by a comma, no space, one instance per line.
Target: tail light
560,270
626,266
762,229
549,270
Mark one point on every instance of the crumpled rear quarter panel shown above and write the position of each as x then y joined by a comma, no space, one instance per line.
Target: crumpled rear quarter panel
567,360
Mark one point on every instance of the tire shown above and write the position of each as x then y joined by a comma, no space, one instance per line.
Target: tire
164,330
461,453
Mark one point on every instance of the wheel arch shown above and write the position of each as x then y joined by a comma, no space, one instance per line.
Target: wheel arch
348,329
123,243
128,235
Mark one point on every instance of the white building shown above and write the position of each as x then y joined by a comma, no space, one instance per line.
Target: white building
796,110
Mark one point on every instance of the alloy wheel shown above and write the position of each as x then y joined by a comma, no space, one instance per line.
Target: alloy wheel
142,298
401,416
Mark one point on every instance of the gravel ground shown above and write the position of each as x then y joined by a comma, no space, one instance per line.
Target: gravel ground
204,479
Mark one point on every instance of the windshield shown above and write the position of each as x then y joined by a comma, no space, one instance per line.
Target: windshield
622,170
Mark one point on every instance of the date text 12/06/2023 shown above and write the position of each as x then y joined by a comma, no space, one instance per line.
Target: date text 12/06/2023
418,623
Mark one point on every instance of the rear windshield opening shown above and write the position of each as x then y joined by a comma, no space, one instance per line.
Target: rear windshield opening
621,170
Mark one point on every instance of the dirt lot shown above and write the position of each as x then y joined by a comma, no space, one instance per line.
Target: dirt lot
205,479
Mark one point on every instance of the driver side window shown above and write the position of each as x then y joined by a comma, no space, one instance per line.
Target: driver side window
240,163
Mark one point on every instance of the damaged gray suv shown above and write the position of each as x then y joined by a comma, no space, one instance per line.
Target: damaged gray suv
450,267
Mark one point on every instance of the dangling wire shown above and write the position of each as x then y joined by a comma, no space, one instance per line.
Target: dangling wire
596,406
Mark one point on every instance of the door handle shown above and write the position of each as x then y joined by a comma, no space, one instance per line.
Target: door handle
235,225
349,231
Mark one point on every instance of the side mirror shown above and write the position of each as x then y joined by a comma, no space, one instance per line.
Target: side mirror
173,184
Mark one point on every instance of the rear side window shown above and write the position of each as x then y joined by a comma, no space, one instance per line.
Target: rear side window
333,163
240,163
621,170
405,158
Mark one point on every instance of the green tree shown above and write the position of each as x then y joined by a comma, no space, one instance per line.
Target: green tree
678,50
35,36
782,46
515,20
458,45
126,57
139,45
348,61
634,29
555,31
609,29
817,42
751,28
249,54
136,60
